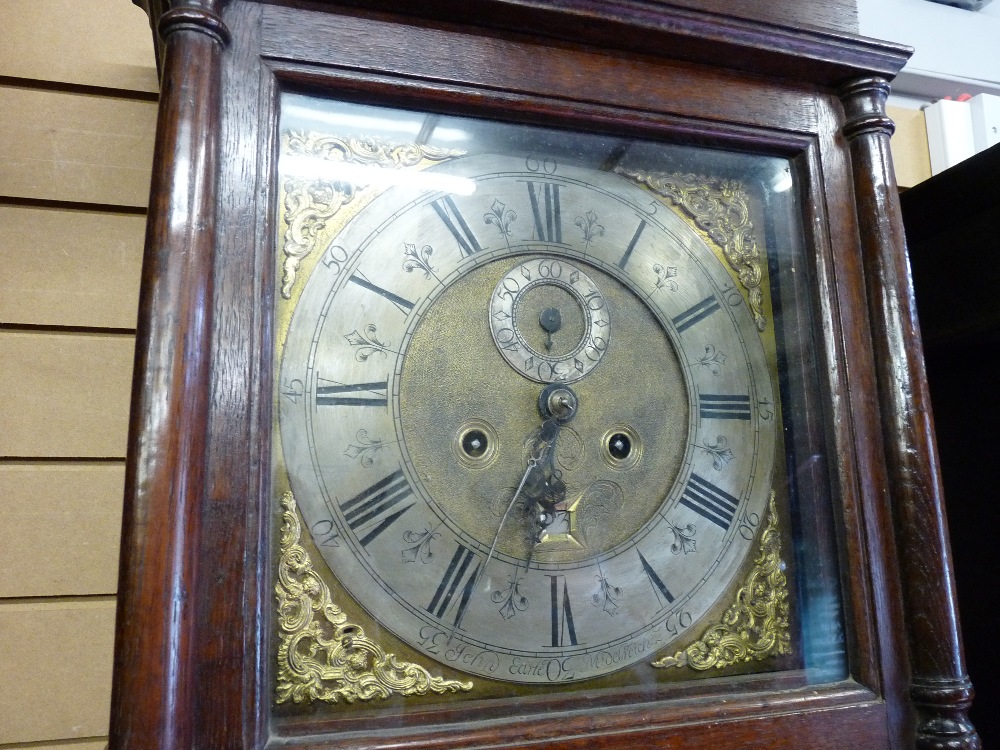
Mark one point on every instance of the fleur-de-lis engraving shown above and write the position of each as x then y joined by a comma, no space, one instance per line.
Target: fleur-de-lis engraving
683,539
501,217
665,277
589,226
365,450
420,545
367,343
607,596
720,452
712,360
414,259
511,601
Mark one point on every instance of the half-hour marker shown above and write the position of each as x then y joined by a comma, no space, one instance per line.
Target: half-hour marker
562,614
544,198
376,508
355,394
457,576
654,579
631,245
710,502
696,313
404,305
716,406
445,208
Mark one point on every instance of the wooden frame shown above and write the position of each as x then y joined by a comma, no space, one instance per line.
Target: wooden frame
191,651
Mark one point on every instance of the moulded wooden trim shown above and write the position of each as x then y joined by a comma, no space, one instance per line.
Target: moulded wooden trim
64,146
66,394
753,45
57,669
65,267
438,58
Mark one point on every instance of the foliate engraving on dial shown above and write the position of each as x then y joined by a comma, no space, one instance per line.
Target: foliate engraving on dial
501,217
665,277
720,451
608,595
414,259
365,449
590,228
322,656
684,541
367,344
419,548
713,360
310,204
549,320
756,625
511,600
720,209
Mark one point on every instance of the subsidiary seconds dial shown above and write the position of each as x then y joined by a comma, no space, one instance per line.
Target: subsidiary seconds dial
549,320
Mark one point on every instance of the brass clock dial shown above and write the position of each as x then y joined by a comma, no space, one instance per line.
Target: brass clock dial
521,415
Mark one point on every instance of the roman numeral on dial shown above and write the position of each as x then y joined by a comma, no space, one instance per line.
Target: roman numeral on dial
710,502
403,305
357,394
376,508
696,313
715,406
544,197
631,245
458,576
658,585
457,225
563,628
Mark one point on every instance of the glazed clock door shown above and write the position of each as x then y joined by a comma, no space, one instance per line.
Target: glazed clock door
529,414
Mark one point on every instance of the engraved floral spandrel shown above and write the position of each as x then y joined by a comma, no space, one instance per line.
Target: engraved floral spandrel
590,227
501,217
419,545
719,451
365,449
414,259
321,655
511,600
367,343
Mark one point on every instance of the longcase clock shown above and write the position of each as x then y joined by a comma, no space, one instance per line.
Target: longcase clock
528,374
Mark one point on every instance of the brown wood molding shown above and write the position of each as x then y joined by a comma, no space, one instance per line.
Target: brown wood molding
768,44
164,483
939,685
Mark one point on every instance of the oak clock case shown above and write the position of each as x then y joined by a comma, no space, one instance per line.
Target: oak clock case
536,431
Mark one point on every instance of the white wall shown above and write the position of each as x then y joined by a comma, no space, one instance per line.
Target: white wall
956,51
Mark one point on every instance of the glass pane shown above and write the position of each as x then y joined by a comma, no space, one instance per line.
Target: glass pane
547,407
